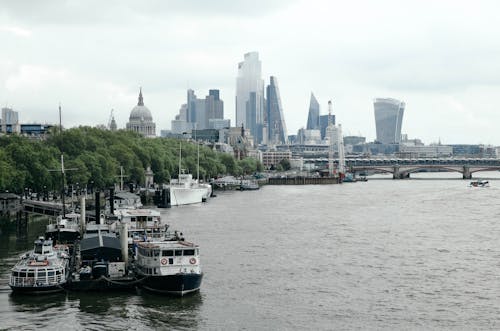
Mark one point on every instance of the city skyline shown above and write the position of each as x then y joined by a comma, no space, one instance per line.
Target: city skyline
440,58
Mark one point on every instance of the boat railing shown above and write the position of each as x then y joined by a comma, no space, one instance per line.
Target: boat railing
31,281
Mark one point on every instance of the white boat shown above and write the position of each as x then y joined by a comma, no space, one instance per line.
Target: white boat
479,183
142,224
64,229
169,266
185,190
45,269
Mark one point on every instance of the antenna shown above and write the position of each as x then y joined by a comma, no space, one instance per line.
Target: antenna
330,143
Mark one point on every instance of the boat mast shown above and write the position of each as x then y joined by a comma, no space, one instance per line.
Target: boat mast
180,157
121,178
62,165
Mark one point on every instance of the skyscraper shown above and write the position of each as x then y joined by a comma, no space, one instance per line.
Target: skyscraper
214,107
313,117
199,113
275,121
10,118
250,95
388,119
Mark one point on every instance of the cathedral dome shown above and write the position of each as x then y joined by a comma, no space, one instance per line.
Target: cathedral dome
141,120
140,112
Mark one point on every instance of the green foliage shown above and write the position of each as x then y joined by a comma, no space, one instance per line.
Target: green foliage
96,156
285,164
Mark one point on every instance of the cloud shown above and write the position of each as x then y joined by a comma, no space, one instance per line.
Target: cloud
17,31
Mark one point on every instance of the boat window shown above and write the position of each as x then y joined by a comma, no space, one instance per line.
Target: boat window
156,252
58,272
188,252
31,274
42,273
132,219
15,273
178,253
22,274
150,219
38,248
51,273
170,261
167,253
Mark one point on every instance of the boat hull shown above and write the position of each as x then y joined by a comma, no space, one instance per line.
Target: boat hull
37,289
186,196
178,285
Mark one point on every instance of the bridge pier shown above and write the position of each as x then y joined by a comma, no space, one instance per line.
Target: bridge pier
395,173
466,174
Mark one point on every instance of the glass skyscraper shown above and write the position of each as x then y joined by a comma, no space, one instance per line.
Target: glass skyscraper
388,119
313,117
250,95
275,121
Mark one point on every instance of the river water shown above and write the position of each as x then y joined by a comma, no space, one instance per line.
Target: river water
383,254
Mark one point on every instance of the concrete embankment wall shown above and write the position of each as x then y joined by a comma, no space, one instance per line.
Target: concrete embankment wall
303,181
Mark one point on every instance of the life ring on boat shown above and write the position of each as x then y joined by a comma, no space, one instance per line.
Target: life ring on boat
164,261
35,263
192,260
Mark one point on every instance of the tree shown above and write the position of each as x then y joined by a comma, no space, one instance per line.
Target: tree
285,164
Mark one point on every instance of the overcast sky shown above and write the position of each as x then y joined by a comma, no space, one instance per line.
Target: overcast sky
441,57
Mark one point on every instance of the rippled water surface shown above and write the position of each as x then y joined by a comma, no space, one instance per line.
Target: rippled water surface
385,254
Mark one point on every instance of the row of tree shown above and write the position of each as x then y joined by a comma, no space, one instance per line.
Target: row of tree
94,157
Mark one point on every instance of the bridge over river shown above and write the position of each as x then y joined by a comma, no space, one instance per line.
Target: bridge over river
402,168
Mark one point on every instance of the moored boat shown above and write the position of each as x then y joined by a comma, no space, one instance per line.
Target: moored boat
185,190
169,266
45,269
65,229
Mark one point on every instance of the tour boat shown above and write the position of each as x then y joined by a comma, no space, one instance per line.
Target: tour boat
479,183
64,229
169,266
42,270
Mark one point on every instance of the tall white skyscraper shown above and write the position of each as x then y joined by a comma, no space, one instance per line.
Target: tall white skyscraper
250,95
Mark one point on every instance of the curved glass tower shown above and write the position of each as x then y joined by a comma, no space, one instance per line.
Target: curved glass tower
313,117
388,119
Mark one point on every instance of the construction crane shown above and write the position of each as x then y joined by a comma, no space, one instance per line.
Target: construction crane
330,147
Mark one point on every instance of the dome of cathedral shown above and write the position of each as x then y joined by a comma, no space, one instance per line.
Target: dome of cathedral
140,112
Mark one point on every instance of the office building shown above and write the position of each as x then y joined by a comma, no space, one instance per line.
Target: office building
313,117
199,113
250,96
388,120
275,121
10,118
